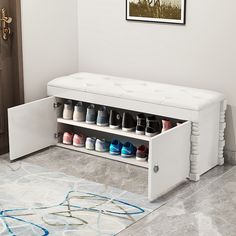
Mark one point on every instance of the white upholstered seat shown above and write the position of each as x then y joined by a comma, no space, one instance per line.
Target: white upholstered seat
145,91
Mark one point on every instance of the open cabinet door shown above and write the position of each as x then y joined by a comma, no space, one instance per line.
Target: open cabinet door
32,127
169,160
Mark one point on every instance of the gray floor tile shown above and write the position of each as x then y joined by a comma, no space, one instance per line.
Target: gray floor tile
203,208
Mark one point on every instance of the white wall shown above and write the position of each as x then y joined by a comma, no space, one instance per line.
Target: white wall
201,54
50,43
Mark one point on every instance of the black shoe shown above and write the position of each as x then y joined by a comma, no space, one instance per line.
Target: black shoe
128,123
114,120
141,124
153,126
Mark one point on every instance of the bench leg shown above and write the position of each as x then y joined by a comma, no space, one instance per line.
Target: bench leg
221,133
195,139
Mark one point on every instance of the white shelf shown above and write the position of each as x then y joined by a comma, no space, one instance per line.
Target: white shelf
131,161
104,129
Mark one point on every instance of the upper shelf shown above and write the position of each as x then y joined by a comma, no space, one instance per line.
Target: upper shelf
104,129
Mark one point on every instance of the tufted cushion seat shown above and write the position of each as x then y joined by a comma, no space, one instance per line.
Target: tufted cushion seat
139,90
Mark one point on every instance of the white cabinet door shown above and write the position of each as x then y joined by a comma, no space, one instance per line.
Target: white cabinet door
169,160
32,127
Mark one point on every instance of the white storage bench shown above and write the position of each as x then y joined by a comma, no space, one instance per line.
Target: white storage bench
185,151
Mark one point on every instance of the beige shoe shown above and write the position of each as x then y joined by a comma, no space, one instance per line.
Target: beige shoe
79,112
68,110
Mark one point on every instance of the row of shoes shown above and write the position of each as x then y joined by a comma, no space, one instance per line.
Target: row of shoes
143,125
115,147
129,150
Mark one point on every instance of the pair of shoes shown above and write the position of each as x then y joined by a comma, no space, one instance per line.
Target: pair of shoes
127,121
100,118
126,150
77,113
78,140
142,153
100,145
149,126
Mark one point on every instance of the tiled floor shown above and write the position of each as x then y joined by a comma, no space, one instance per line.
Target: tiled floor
207,207
108,172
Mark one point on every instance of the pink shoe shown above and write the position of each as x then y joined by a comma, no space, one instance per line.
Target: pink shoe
166,124
67,138
79,140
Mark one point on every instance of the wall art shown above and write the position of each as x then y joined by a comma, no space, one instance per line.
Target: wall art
164,11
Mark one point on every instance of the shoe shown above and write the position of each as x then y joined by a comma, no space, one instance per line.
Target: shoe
115,147
79,140
142,153
79,112
141,124
103,118
128,123
67,138
68,110
128,150
91,114
114,120
166,124
90,143
102,145
153,126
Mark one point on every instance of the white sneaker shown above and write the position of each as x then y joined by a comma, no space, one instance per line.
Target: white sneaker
90,143
102,145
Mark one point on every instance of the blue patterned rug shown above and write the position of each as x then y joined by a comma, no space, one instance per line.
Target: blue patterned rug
38,202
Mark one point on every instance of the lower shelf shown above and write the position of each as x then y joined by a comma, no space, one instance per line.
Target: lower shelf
131,161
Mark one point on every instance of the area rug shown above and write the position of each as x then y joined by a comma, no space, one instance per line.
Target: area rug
38,202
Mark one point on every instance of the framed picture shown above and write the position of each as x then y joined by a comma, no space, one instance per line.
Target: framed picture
164,11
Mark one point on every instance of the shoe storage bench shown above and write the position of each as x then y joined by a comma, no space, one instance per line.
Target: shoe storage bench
185,151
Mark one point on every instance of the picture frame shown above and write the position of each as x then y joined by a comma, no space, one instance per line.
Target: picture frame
157,11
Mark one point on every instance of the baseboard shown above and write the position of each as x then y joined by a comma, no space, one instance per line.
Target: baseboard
230,157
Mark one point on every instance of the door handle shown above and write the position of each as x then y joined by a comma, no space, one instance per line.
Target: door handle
156,168
5,21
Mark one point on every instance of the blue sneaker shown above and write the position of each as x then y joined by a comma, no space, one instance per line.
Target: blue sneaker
115,147
128,150
91,114
102,118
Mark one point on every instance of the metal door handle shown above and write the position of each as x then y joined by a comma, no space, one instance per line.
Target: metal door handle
5,21
156,168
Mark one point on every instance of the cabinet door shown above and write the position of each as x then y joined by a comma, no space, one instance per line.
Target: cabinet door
32,127
169,160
